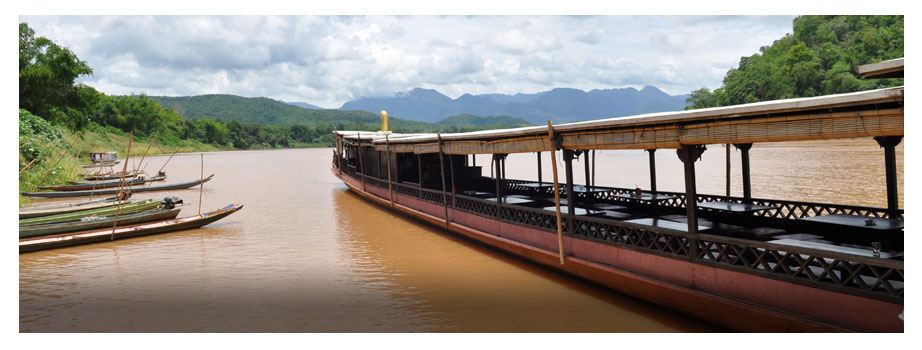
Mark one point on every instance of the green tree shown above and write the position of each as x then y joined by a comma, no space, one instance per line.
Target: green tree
46,80
819,58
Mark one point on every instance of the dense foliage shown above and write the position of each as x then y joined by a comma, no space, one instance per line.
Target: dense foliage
820,58
46,81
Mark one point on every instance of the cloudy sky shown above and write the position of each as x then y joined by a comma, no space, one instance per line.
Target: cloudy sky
329,60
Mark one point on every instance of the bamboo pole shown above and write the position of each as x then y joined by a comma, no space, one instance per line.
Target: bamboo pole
27,166
145,152
550,135
77,160
390,186
121,186
168,160
201,184
138,168
48,172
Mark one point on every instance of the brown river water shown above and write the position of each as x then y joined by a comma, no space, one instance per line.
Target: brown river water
306,255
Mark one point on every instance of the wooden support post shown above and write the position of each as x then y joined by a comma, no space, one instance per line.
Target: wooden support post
496,177
889,144
571,201
652,169
728,169
361,156
744,163
339,140
419,168
539,167
454,190
442,172
586,169
390,184
550,135
502,173
474,160
593,167
689,155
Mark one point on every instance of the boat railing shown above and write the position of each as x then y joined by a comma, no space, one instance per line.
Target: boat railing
786,209
870,277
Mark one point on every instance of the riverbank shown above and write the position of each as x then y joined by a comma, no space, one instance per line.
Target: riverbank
58,152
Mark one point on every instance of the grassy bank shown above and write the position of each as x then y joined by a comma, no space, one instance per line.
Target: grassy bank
58,153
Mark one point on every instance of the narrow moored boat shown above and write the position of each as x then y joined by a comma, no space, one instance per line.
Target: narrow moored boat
66,240
111,175
54,209
84,186
94,222
64,194
131,207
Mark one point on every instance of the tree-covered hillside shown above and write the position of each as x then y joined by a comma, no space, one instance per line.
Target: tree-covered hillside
265,111
819,58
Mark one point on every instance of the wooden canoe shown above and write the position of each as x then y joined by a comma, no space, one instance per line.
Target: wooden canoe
111,175
64,194
186,223
132,207
102,164
100,185
155,214
45,210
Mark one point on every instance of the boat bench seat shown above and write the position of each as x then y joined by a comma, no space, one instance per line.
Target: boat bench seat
759,233
809,237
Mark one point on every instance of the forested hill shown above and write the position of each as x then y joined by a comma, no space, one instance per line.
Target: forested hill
819,58
561,105
265,111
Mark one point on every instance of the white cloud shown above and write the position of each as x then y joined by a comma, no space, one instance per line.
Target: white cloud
327,60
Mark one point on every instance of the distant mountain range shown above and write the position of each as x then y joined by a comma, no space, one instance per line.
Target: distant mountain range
428,110
560,105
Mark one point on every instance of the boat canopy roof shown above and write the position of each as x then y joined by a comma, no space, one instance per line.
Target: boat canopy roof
886,69
858,114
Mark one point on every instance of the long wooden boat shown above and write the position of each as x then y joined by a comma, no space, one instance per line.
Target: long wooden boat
111,175
747,263
101,164
98,222
101,185
45,210
66,240
131,207
64,194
